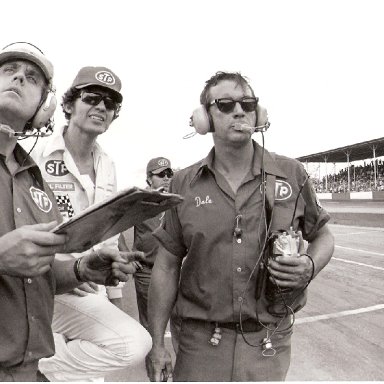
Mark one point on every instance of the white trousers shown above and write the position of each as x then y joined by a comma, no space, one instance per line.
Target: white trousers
92,337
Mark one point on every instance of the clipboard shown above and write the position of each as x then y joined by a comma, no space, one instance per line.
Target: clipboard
114,215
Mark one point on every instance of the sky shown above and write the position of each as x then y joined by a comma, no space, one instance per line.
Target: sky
317,66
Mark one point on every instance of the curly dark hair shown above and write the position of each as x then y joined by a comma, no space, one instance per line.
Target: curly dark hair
237,77
68,99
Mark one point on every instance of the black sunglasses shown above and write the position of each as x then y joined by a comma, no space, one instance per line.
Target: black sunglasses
93,98
162,174
227,105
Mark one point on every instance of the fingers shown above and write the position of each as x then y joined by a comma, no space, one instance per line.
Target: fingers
288,271
94,286
284,262
79,292
168,368
129,268
119,275
132,256
48,239
88,287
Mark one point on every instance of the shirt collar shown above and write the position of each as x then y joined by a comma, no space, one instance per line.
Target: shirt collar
7,144
270,165
56,143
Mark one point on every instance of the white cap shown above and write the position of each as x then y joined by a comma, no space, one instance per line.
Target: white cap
27,51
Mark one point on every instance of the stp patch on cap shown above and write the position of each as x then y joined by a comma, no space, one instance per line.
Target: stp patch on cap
99,76
158,164
105,77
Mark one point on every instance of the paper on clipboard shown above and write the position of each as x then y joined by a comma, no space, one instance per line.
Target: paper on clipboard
116,214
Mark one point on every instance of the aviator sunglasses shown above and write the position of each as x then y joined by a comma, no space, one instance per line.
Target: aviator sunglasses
93,98
162,174
227,105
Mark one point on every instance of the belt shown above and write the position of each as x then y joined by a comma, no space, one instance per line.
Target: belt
248,325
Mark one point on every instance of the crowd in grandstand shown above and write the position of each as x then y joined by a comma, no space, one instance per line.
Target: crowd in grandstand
362,179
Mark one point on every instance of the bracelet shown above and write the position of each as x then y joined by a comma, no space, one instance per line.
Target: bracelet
76,270
313,267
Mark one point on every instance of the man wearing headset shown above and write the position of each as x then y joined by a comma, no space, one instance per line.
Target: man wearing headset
233,200
92,336
30,275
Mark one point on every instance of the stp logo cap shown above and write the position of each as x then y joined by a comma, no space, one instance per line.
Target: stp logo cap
101,77
157,165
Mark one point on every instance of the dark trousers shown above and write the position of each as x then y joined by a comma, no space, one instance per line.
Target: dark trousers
142,280
232,359
22,372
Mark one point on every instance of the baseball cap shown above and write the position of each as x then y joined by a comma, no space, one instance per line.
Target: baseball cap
101,77
157,165
27,51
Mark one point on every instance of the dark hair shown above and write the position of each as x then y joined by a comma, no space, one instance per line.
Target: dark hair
68,99
237,77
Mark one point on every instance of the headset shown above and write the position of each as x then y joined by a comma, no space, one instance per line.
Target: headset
43,117
201,120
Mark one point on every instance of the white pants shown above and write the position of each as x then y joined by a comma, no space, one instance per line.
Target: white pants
92,337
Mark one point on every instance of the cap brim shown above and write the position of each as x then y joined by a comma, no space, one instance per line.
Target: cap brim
159,170
118,95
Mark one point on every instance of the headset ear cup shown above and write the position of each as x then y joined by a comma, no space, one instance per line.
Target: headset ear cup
261,116
45,112
201,120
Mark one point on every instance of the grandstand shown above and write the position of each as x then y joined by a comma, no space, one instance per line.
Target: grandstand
356,181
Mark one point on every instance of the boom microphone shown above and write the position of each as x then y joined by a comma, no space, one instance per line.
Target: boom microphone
247,128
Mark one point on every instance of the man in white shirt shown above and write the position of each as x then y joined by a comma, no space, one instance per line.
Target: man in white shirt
92,336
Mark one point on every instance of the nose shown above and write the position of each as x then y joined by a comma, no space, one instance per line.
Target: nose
101,105
19,75
238,110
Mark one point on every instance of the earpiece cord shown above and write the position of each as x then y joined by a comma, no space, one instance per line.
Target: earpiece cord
30,151
267,227
297,200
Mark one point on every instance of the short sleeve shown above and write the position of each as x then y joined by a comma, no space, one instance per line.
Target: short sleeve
315,215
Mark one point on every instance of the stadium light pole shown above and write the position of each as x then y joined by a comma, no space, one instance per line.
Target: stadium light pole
326,173
374,166
349,176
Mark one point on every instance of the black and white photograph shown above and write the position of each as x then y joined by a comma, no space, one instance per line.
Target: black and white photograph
191,191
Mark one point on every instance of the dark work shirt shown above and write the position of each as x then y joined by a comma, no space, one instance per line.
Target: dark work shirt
144,241
26,304
215,278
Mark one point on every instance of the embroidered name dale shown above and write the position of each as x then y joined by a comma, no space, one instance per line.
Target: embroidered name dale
201,201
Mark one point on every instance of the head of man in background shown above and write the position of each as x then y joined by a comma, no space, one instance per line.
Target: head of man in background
159,173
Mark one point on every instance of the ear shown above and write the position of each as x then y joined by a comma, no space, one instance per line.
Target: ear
68,108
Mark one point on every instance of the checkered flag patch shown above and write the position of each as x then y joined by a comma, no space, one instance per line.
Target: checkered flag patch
65,206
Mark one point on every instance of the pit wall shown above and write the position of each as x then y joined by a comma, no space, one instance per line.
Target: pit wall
374,195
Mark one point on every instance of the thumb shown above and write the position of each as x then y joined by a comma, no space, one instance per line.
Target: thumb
301,243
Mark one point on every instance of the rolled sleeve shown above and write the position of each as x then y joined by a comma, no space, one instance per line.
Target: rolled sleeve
315,215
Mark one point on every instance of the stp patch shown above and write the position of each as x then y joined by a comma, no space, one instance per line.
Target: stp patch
41,199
